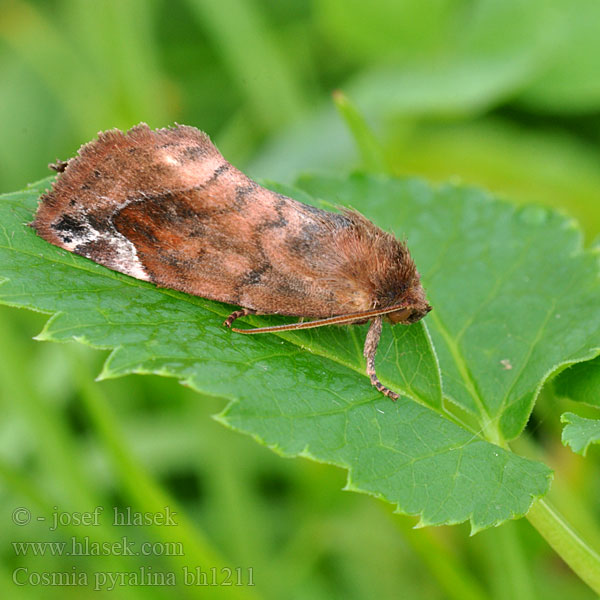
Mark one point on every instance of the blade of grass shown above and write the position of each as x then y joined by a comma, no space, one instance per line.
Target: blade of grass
508,570
55,446
371,151
450,573
40,503
254,59
38,43
147,494
118,39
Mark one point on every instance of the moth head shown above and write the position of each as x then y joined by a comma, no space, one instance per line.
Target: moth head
409,315
399,283
416,304
381,269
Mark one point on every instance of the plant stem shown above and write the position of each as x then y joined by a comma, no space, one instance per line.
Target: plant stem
569,545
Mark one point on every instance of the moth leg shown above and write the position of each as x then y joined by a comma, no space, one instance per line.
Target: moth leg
371,343
236,314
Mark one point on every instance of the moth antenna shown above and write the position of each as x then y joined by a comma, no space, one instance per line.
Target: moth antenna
339,320
370,349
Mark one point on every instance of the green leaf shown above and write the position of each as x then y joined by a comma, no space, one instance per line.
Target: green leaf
581,382
580,432
305,393
514,295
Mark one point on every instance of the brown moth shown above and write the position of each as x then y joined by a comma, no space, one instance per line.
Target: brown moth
164,206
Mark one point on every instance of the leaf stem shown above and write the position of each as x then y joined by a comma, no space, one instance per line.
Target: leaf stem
568,543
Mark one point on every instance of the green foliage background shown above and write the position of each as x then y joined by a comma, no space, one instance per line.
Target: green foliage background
502,94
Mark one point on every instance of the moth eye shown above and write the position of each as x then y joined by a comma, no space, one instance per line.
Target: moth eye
417,314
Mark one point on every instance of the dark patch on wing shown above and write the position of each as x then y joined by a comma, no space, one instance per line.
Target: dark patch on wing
145,217
281,221
213,178
241,195
162,209
97,223
95,249
340,221
253,277
313,210
198,230
308,241
217,173
69,225
193,153
299,246
171,258
145,230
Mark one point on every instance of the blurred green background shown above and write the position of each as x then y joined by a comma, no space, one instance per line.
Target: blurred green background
503,94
